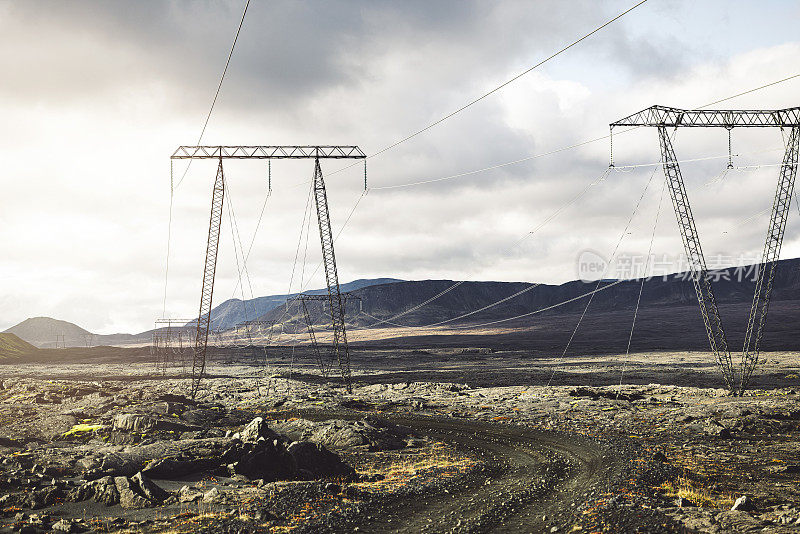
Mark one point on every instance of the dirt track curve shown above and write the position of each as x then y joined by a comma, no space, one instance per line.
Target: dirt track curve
535,480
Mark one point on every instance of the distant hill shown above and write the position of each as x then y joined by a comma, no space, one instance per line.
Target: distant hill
235,311
12,346
46,332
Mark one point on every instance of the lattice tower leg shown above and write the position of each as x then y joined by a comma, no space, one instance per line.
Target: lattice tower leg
335,300
769,260
204,317
697,262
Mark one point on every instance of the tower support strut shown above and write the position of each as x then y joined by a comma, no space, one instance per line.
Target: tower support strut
769,259
209,271
335,301
312,336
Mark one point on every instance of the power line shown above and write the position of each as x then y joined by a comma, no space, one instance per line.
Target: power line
605,271
571,201
237,236
473,312
255,232
532,286
236,252
492,167
561,208
172,185
169,236
515,78
641,286
418,306
565,148
224,71
751,90
527,234
502,85
527,314
219,87
336,237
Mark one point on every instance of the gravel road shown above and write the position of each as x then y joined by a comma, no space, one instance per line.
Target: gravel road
534,480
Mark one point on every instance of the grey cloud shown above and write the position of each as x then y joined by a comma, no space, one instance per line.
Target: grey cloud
287,52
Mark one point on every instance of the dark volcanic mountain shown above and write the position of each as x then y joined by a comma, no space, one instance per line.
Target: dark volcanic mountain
46,332
669,316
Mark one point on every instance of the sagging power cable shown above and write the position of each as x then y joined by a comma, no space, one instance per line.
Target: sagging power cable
520,316
602,177
255,233
568,147
499,87
219,88
641,286
172,185
527,234
605,271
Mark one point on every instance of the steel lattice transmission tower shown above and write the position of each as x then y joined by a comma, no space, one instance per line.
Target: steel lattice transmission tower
270,152
662,117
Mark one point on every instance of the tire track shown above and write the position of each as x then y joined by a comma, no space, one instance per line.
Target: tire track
535,479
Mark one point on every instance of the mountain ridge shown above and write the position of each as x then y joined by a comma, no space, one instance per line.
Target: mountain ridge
385,303
501,303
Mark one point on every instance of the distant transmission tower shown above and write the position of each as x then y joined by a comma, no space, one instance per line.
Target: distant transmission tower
167,342
304,299
270,152
663,118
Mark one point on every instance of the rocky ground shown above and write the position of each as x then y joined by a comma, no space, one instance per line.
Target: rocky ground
116,447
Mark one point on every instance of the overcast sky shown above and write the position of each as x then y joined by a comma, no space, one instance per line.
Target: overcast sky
95,96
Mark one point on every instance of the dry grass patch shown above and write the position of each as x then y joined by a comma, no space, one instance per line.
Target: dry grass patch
695,493
437,462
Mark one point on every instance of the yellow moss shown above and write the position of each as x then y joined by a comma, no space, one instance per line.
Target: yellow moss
81,428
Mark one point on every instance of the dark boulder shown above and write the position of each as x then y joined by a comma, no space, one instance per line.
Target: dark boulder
169,468
139,491
267,460
318,460
102,490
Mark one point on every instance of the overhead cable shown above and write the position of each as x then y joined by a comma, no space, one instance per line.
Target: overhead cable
219,87
502,85
568,147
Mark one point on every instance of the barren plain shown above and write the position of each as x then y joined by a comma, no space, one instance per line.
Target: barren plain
436,440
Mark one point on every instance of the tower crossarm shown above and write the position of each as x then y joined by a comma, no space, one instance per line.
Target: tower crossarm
269,152
666,117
